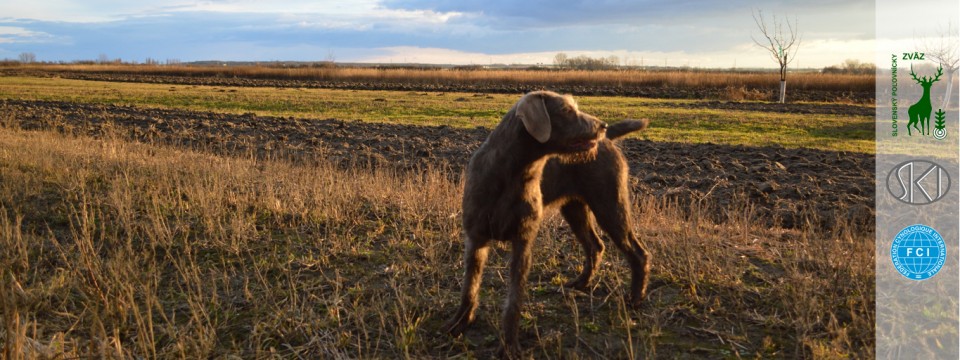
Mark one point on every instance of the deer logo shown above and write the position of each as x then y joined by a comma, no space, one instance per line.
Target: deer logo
920,112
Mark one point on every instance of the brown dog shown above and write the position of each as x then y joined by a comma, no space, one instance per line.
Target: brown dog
545,136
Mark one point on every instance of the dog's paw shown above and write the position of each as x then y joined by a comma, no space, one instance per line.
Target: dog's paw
510,352
578,284
456,326
636,301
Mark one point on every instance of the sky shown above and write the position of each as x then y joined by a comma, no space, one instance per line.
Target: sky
695,33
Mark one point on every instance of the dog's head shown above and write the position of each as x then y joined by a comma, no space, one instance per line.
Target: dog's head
556,122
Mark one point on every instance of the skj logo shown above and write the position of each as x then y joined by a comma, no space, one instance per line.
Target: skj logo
918,182
918,252
921,112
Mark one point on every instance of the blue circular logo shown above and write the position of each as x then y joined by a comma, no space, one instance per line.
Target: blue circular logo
918,252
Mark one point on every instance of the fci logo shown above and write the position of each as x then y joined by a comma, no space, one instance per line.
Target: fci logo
918,182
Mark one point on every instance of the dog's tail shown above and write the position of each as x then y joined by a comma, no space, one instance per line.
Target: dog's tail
624,127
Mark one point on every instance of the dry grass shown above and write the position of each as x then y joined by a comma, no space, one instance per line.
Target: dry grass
689,79
110,248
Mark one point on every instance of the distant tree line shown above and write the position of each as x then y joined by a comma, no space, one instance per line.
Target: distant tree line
31,58
851,66
583,62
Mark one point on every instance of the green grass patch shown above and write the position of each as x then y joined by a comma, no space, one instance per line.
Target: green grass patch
738,127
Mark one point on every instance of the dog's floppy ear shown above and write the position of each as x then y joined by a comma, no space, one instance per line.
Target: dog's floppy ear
533,112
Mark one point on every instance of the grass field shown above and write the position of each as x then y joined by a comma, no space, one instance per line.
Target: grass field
671,120
116,249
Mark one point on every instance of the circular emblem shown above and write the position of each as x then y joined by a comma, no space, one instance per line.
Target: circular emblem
918,252
918,182
940,134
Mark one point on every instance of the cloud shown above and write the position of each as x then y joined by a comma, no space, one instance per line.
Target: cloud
553,13
537,13
356,12
358,30
744,56
90,11
15,34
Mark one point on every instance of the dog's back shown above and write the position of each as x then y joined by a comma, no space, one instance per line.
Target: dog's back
564,179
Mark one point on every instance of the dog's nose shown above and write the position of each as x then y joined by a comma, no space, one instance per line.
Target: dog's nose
603,125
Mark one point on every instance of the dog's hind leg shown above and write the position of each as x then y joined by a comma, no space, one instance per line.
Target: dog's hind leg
578,216
614,218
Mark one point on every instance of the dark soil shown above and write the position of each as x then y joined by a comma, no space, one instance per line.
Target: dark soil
787,187
661,92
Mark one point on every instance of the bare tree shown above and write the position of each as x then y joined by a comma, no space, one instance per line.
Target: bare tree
783,46
560,60
944,50
614,61
28,58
